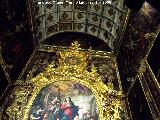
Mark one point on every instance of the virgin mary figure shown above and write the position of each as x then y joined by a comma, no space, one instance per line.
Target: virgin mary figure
69,109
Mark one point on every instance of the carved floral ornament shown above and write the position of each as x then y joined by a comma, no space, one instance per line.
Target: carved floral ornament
72,68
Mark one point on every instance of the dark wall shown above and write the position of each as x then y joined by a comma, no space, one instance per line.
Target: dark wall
3,81
154,58
138,103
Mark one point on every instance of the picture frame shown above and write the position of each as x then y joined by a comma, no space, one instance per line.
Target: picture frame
68,83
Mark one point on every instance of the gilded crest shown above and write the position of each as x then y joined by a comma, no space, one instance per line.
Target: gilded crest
69,91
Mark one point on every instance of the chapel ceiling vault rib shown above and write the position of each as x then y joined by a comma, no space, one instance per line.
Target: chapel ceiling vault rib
104,20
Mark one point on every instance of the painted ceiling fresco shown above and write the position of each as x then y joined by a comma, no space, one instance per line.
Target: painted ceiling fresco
16,44
104,19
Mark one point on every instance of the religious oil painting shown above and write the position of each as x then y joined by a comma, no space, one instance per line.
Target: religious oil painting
64,100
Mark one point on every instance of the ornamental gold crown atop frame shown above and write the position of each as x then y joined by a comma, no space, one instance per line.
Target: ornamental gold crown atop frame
74,56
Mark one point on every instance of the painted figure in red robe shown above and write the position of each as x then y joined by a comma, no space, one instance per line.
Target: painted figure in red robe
69,109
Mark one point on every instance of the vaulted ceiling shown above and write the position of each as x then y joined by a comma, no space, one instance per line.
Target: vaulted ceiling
104,19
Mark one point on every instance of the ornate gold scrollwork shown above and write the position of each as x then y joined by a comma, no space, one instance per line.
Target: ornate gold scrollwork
72,67
20,96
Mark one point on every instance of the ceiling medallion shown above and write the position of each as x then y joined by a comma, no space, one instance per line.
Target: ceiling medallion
97,7
65,4
50,17
93,29
111,12
95,18
67,82
78,26
51,29
80,15
108,24
64,16
106,35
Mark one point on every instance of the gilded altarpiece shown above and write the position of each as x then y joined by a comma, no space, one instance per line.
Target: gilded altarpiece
70,88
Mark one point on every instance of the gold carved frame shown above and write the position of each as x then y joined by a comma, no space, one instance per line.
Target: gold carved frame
72,66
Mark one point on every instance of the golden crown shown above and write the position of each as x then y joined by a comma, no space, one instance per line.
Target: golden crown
74,56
